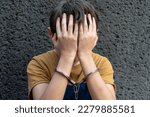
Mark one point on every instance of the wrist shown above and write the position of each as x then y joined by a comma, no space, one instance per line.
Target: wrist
69,55
67,58
87,62
84,55
65,64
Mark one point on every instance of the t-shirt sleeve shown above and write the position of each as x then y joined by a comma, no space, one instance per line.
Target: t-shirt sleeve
36,75
106,71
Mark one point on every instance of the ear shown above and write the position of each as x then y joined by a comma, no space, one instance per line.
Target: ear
50,34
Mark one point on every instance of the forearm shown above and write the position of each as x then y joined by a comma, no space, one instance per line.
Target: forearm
95,83
57,86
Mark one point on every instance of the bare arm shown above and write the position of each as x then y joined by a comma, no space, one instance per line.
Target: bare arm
66,44
56,88
97,87
87,39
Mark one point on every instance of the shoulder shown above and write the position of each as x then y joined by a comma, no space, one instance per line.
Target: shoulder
45,61
99,59
44,58
105,68
39,70
102,62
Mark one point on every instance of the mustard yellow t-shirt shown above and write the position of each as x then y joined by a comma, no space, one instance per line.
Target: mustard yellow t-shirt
41,68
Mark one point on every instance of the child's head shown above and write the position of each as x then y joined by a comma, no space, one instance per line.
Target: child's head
78,8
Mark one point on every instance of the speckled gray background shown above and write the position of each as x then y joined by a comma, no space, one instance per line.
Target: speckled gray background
124,38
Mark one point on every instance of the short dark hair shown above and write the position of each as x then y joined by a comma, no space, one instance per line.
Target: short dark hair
78,8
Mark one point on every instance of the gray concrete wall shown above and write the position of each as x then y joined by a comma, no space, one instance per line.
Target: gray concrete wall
124,38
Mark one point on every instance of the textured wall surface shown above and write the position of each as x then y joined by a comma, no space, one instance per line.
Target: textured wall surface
124,38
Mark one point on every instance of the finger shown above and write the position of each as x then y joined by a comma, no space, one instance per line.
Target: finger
76,30
64,24
85,24
70,25
81,30
94,25
58,29
54,39
90,22
95,41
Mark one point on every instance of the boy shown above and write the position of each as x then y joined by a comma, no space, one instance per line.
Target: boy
71,70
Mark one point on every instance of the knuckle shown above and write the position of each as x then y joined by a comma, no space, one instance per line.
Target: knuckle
58,36
64,35
86,37
70,36
70,25
73,37
92,35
